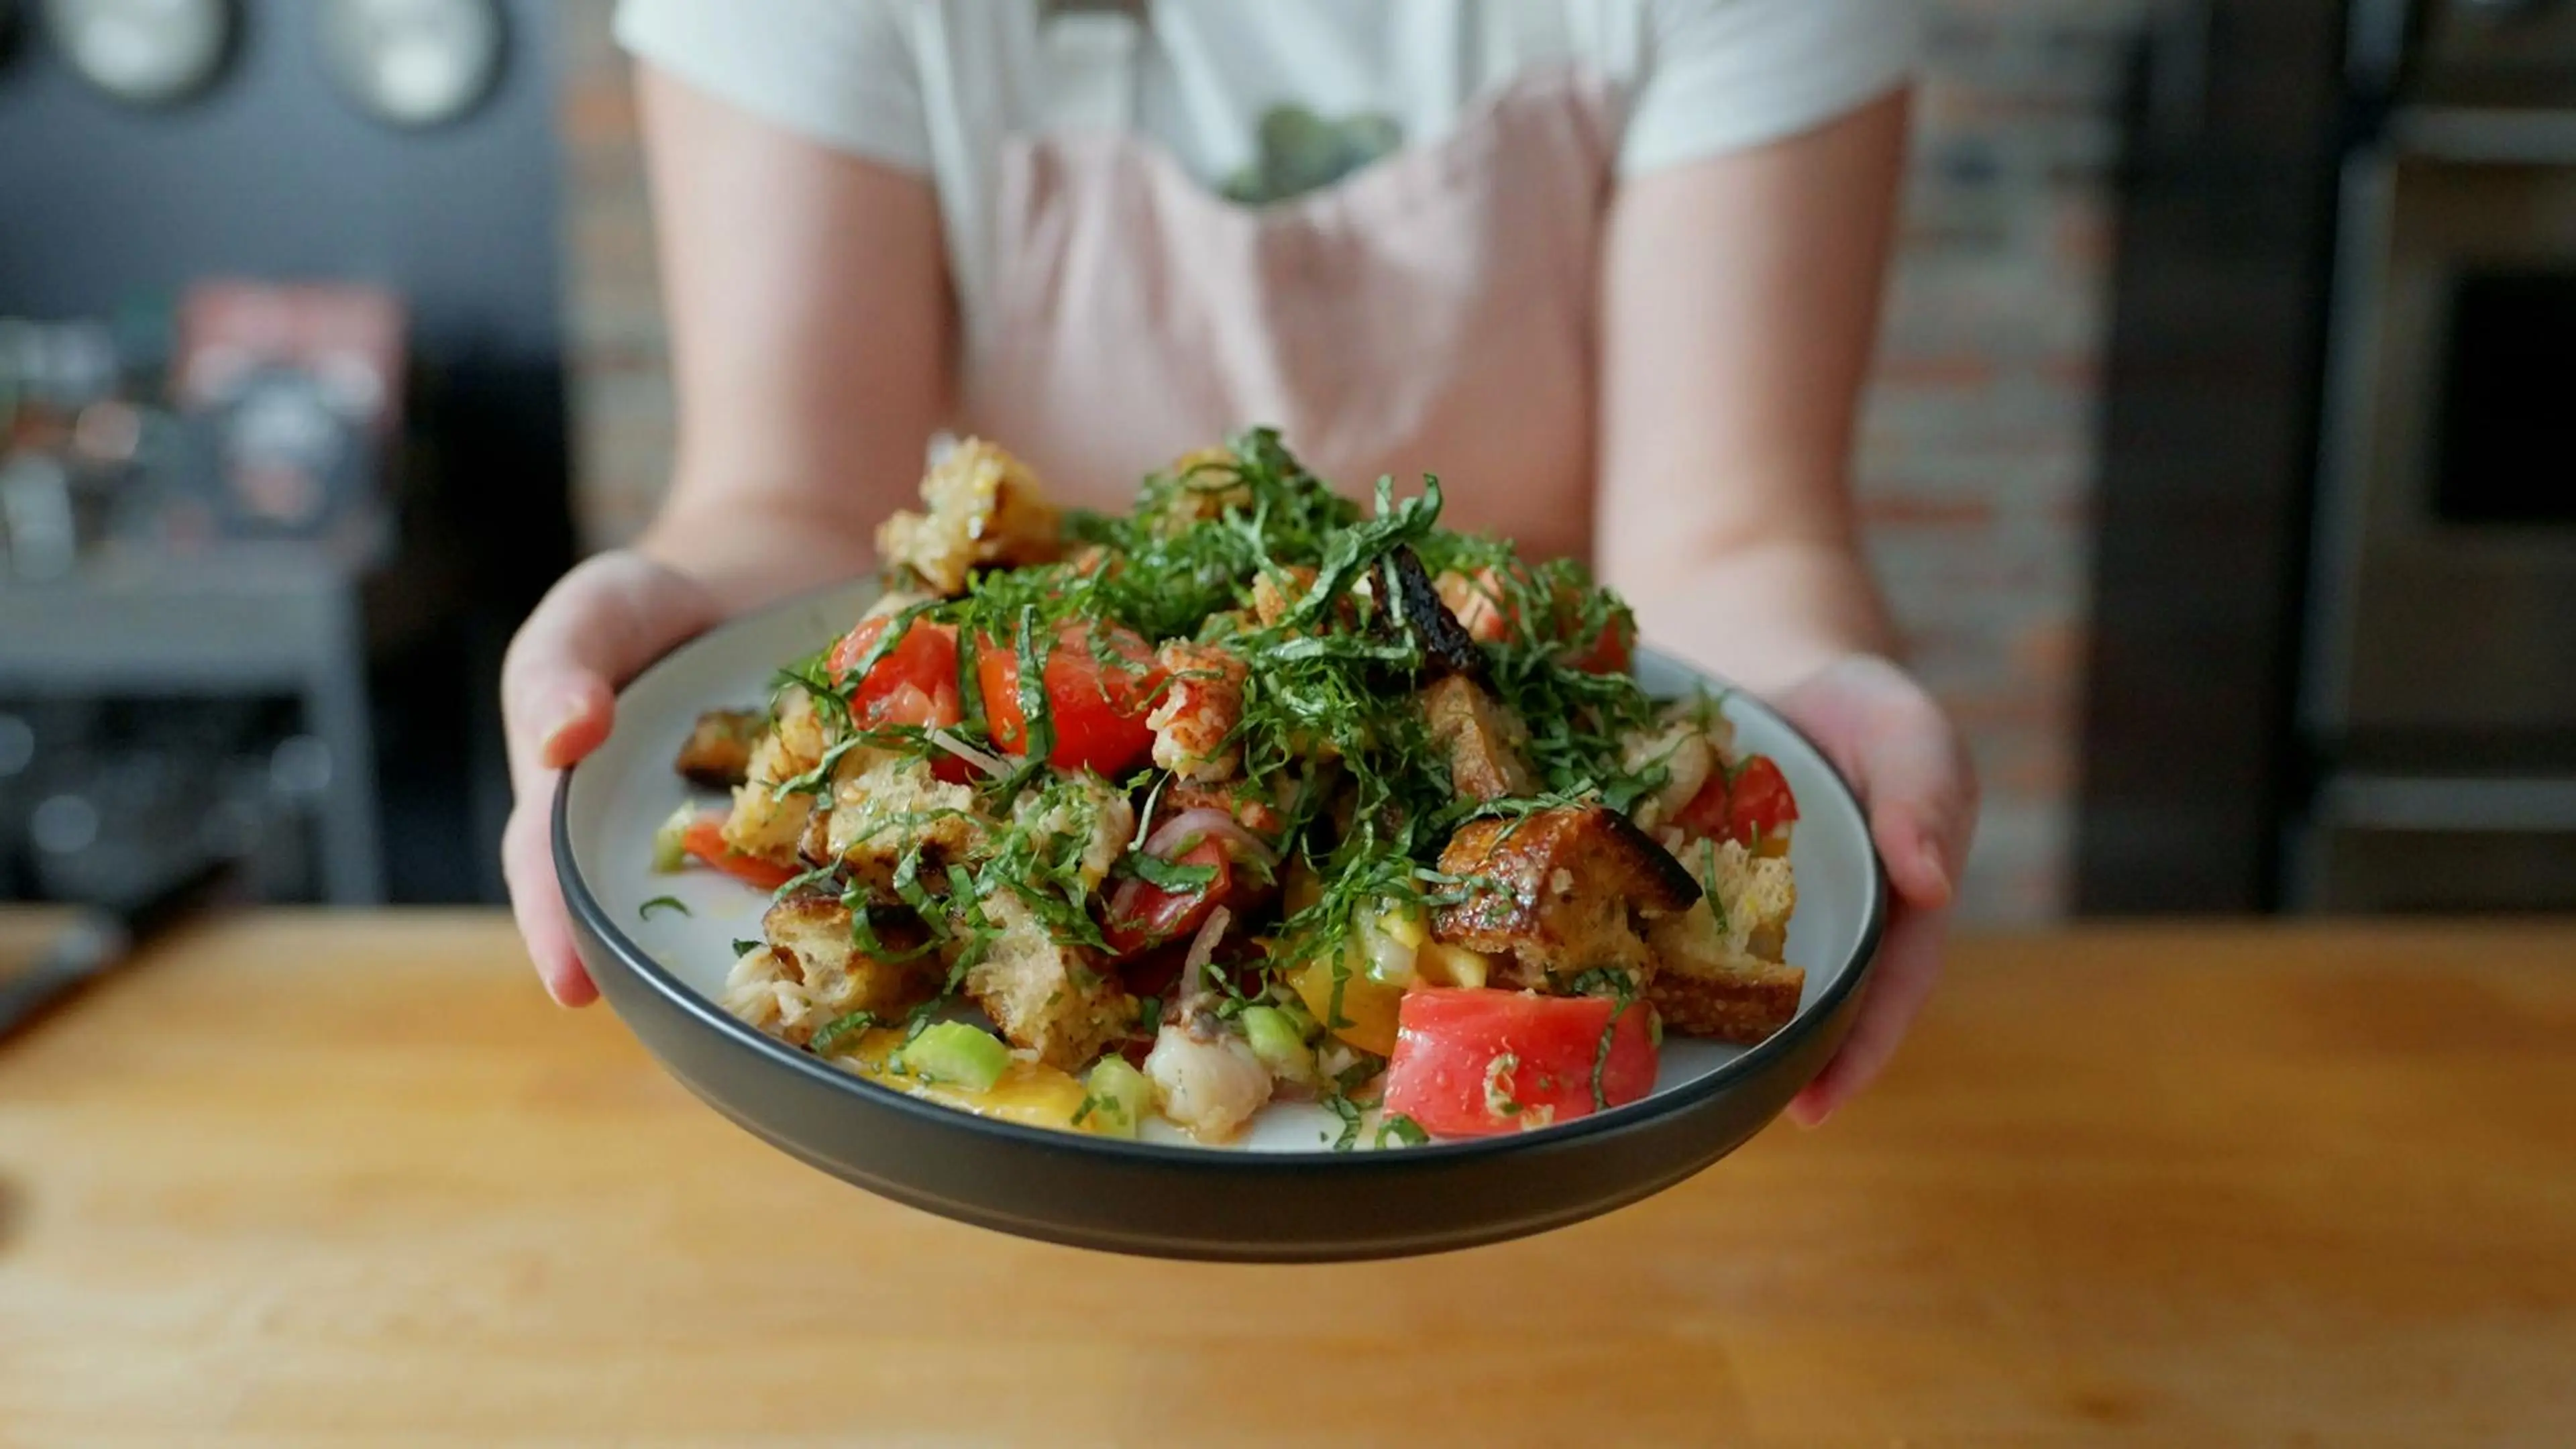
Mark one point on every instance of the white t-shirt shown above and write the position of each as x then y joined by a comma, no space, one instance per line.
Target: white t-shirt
936,86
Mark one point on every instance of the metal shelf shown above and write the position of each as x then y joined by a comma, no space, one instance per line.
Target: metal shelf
244,620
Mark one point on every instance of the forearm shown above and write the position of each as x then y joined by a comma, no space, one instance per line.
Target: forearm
751,550
810,345
1763,614
1740,297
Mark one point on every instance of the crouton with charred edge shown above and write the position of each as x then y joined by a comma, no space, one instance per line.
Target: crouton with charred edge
986,510
1053,998
1481,738
1408,594
1717,965
717,753
1740,1001
1558,893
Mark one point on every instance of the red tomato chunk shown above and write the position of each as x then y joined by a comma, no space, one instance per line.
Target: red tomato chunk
1143,915
1475,1062
705,840
1098,707
1753,806
914,683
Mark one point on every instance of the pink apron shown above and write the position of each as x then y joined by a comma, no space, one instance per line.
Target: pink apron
1430,313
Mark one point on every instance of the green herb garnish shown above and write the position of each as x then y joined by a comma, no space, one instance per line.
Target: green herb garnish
1167,875
1403,1129
830,1034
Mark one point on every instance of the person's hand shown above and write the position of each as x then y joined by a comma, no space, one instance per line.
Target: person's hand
1894,745
605,620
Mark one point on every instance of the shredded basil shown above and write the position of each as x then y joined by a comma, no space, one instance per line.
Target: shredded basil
1403,1129
645,911
1166,875
829,1035
1349,1111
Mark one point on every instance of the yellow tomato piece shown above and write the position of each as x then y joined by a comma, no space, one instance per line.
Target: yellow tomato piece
1368,1006
1442,964
1030,1093
1300,888
1403,925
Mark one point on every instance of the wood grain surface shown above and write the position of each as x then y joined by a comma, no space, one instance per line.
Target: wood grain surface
348,1179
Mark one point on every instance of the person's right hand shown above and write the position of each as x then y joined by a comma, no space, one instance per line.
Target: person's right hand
605,620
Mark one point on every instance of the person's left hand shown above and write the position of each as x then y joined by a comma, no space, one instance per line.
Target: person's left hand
1896,747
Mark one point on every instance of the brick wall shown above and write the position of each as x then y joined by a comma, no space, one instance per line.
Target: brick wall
1977,455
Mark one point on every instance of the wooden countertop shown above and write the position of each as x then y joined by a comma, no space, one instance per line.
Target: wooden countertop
348,1179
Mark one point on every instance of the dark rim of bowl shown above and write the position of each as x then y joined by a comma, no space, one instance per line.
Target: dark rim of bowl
586,909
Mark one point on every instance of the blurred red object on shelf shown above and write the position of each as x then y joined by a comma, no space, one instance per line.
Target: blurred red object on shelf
293,394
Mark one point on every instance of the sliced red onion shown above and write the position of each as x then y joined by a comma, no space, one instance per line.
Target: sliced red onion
971,755
1202,951
1176,835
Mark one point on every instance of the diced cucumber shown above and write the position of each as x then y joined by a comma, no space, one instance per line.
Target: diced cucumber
1307,1027
669,853
1119,1097
957,1054
1276,1039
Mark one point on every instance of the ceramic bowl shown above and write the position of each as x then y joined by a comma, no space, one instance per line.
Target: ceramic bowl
1281,1193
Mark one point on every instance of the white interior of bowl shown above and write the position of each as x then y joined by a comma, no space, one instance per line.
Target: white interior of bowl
624,791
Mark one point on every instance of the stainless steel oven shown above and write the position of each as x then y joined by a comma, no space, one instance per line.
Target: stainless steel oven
2438,688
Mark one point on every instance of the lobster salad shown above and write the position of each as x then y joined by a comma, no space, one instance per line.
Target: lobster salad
1252,794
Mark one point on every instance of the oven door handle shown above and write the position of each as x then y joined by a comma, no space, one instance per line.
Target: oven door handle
2485,135
2491,805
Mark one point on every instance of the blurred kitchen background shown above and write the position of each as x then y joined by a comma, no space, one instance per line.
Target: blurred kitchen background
2219,459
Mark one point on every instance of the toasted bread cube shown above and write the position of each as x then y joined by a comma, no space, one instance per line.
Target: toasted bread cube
812,935
1558,893
1083,813
1718,971
1056,999
985,509
812,973
1483,739
764,823
884,806
1756,895
1738,999
717,753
